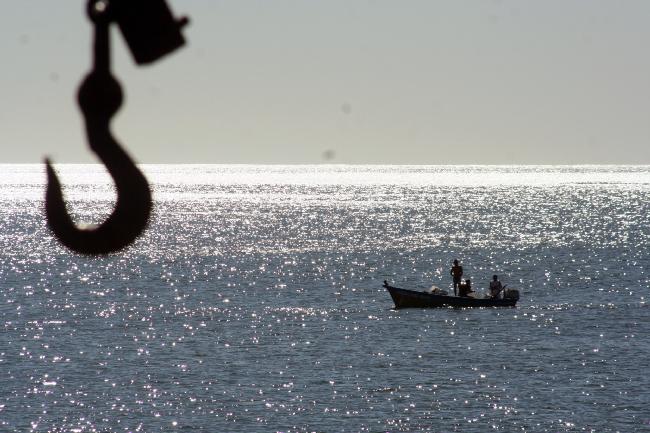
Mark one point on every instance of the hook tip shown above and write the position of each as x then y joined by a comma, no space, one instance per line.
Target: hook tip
52,178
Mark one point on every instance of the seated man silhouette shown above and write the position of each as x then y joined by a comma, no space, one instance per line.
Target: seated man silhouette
495,287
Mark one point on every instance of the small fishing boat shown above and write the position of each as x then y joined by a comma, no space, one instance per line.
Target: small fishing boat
404,298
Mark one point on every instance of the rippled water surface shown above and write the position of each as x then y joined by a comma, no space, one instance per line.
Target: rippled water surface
253,303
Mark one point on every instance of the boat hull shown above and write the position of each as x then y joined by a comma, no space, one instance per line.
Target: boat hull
404,298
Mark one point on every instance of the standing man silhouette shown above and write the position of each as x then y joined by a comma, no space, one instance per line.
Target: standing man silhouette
456,273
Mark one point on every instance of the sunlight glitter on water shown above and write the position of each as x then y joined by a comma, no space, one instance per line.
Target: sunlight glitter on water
254,302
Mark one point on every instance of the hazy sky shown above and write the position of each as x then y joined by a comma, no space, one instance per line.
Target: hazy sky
399,81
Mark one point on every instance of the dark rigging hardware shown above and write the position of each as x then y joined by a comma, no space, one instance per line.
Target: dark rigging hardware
151,32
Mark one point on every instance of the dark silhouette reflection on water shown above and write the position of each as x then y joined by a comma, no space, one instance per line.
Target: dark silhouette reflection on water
151,32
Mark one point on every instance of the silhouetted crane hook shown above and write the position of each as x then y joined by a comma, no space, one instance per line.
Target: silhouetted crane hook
100,97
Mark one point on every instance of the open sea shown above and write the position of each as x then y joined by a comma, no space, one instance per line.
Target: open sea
253,302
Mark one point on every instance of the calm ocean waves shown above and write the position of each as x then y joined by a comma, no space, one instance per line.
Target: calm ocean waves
253,303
